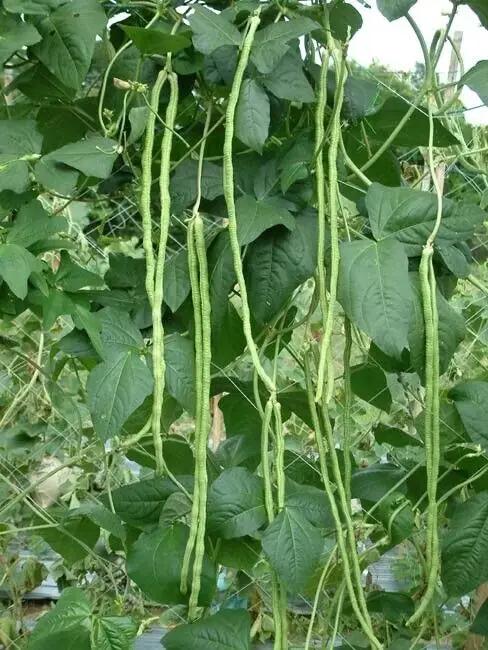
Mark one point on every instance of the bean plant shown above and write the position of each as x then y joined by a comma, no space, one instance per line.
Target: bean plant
243,299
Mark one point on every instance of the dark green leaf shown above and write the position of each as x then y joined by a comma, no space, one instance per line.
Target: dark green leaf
115,388
240,553
270,44
254,217
212,30
369,382
180,370
409,216
310,502
393,9
15,35
18,139
155,41
184,183
118,333
288,81
374,290
140,504
93,156
392,605
32,223
477,80
31,7
113,633
16,267
480,623
67,625
415,133
154,563
480,9
394,437
465,547
373,482
293,547
345,21
471,402
73,538
228,629
452,329
236,503
277,263
252,115
68,40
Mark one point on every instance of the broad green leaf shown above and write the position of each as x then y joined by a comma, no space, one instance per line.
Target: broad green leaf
221,279
396,514
113,633
409,216
155,41
455,259
154,563
345,21
239,450
236,503
93,156
184,183
138,119
293,547
115,388
37,83
68,625
118,334
393,9
73,277
242,553
228,629
480,8
452,329
373,482
374,291
311,502
294,164
240,415
254,217
74,536
220,65
480,623
277,263
15,35
288,81
31,7
20,141
180,370
415,133
68,40
176,279
465,547
270,43
471,402
139,504
395,437
16,267
212,30
392,605
477,79
252,115
102,517
33,223
55,176
368,382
